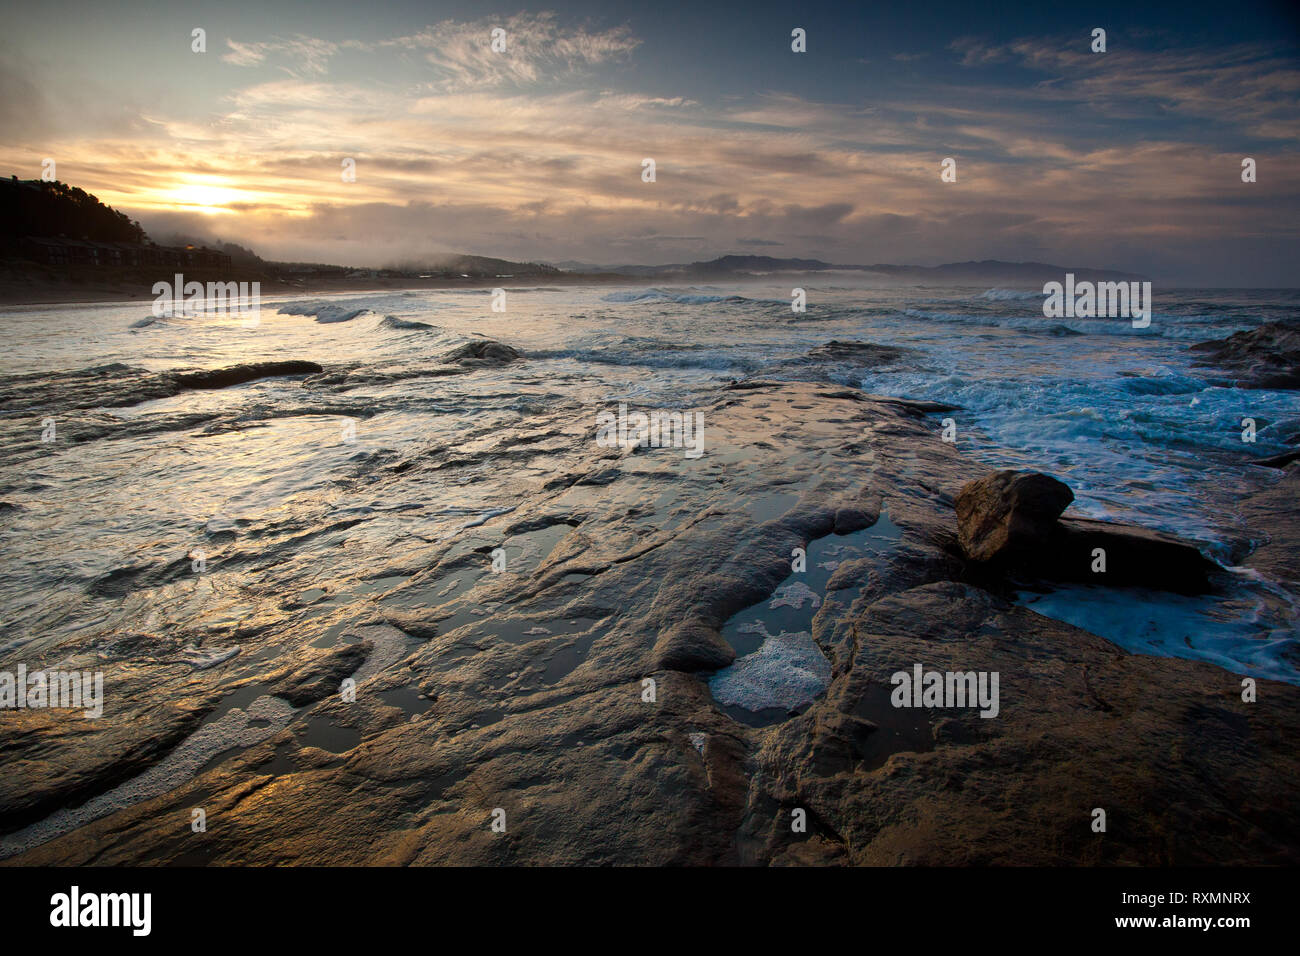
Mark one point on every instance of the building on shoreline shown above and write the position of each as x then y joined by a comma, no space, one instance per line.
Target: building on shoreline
62,251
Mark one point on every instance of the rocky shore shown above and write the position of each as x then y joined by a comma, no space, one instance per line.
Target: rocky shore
1264,357
569,689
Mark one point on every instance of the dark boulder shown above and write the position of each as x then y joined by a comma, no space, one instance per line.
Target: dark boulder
1009,512
859,353
1010,525
483,352
1131,557
1264,357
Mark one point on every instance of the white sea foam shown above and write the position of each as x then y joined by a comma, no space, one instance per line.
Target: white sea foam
795,595
264,717
788,670
673,296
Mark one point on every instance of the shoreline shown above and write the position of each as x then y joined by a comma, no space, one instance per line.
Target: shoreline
524,690
538,707
15,294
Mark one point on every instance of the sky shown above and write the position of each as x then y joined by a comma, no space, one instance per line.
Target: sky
1128,159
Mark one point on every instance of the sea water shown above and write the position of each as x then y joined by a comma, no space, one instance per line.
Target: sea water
1119,414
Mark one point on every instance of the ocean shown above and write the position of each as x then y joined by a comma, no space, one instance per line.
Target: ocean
289,468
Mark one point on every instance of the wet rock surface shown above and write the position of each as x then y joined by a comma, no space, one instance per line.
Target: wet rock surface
1082,726
239,374
1263,357
525,689
118,386
486,353
320,674
841,361
864,353
1009,512
1278,461
1131,556
1011,523
1272,511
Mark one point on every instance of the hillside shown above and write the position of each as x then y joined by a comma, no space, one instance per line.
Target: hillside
984,271
32,208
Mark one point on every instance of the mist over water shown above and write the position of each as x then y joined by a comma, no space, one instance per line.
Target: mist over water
1118,414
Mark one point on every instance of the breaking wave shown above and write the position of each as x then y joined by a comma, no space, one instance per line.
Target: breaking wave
393,322
668,295
322,311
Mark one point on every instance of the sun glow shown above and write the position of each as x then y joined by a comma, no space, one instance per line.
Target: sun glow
205,197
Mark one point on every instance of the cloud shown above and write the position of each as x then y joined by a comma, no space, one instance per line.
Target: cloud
537,51
307,56
526,154
976,52
1247,85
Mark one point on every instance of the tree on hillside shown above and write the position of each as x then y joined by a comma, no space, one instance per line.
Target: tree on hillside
57,209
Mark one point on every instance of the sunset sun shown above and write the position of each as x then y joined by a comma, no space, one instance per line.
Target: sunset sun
209,198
